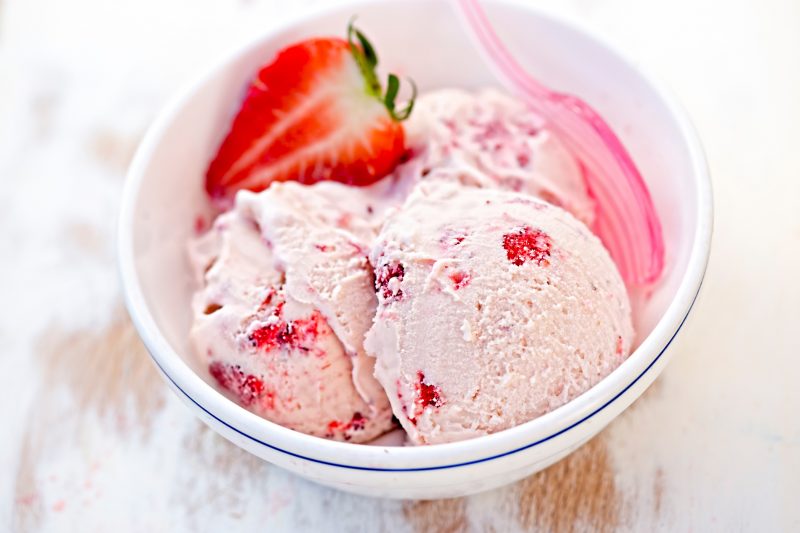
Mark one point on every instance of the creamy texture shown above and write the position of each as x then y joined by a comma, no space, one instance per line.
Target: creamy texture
320,237
467,342
285,302
494,141
494,308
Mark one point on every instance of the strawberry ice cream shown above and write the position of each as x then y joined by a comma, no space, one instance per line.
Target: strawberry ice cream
435,266
494,308
287,293
468,340
493,141
285,302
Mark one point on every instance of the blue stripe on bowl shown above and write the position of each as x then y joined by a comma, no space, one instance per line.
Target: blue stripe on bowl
454,465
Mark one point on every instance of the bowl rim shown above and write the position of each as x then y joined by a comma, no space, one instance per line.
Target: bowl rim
436,456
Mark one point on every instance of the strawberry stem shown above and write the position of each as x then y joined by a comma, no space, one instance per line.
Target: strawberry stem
367,59
392,88
389,101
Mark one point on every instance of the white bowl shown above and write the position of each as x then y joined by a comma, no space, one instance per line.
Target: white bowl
164,195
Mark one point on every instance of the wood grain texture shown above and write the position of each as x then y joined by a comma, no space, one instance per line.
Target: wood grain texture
83,376
233,478
437,516
113,148
576,494
103,370
28,505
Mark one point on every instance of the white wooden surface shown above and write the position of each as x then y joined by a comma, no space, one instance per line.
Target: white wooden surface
92,441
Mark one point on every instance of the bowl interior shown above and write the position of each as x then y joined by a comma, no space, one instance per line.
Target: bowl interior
170,197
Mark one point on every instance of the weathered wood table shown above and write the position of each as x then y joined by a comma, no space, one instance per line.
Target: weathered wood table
93,441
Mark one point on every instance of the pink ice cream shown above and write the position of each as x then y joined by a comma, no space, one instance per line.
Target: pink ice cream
285,302
494,141
494,308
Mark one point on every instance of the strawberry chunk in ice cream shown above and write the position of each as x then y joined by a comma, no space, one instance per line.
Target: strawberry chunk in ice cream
285,302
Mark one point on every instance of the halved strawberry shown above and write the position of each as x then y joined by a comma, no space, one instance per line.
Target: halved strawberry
317,112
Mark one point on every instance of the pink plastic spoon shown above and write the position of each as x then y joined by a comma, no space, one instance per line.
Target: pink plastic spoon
626,222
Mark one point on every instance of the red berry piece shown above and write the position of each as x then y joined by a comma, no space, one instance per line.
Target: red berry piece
384,283
460,279
278,333
246,387
357,423
317,112
451,238
527,244
425,395
268,296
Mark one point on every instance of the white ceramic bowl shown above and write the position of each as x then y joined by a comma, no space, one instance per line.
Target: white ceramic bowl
164,195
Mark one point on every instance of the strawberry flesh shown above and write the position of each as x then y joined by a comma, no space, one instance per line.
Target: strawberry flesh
308,116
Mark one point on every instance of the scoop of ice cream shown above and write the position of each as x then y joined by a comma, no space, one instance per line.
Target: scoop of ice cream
320,237
285,302
494,308
494,141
